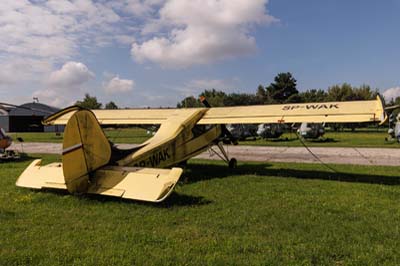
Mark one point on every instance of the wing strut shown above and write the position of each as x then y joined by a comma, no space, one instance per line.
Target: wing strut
225,131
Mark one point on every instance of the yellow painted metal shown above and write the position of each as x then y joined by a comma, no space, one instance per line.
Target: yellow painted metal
183,134
340,112
174,142
85,149
148,184
335,112
38,177
126,182
115,117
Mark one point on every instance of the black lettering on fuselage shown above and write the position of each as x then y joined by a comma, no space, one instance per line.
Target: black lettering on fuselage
311,106
154,159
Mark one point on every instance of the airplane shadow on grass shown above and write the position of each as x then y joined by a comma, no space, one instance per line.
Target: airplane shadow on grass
281,139
23,157
322,140
198,172
175,199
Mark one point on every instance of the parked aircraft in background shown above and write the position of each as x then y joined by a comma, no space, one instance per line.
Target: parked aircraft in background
394,123
270,130
311,130
243,131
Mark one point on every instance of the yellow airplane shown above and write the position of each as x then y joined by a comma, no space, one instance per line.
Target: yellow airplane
91,164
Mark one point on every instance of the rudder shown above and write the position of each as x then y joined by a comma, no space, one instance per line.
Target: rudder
85,149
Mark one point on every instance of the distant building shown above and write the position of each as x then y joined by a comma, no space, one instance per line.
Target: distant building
4,118
28,118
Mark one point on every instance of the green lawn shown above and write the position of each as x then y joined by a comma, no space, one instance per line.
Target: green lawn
257,214
359,138
331,139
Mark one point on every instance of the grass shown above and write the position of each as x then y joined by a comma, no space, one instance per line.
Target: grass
360,138
257,214
331,139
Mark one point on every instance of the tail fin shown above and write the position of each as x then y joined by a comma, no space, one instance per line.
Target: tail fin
85,149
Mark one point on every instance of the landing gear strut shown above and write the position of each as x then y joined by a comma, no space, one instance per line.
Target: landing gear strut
232,162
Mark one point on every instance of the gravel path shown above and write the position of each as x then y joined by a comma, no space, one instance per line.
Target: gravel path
364,156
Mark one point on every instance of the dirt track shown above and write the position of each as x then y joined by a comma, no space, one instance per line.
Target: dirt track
365,156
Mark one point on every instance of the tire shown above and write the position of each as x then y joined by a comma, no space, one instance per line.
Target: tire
232,163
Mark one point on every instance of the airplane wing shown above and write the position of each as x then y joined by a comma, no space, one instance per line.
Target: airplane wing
334,112
146,184
115,117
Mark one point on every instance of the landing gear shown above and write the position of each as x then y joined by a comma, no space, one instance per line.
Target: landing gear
232,162
6,155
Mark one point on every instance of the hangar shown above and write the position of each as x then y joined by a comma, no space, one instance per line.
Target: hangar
28,118
4,118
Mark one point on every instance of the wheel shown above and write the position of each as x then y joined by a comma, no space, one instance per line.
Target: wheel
182,164
232,163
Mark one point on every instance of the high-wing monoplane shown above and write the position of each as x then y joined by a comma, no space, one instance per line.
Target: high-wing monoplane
91,164
311,130
394,123
270,130
243,131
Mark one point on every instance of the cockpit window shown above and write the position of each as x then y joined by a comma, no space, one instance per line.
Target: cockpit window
200,129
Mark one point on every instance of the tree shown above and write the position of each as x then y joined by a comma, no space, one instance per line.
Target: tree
282,88
364,92
235,99
342,92
111,105
188,102
214,97
89,102
313,95
346,92
261,94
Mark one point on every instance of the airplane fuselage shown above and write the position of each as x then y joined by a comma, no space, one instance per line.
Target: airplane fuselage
176,141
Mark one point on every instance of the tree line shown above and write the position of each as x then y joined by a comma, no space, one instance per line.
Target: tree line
282,90
90,102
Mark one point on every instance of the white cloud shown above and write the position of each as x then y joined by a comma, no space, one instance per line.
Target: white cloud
53,97
118,85
141,8
71,74
36,36
65,84
391,93
201,32
56,29
21,70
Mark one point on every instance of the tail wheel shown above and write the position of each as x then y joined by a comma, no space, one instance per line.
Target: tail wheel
232,163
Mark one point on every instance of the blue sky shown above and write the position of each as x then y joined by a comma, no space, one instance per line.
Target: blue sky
155,52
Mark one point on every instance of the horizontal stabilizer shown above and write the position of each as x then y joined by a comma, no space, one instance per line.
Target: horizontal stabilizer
147,184
38,177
